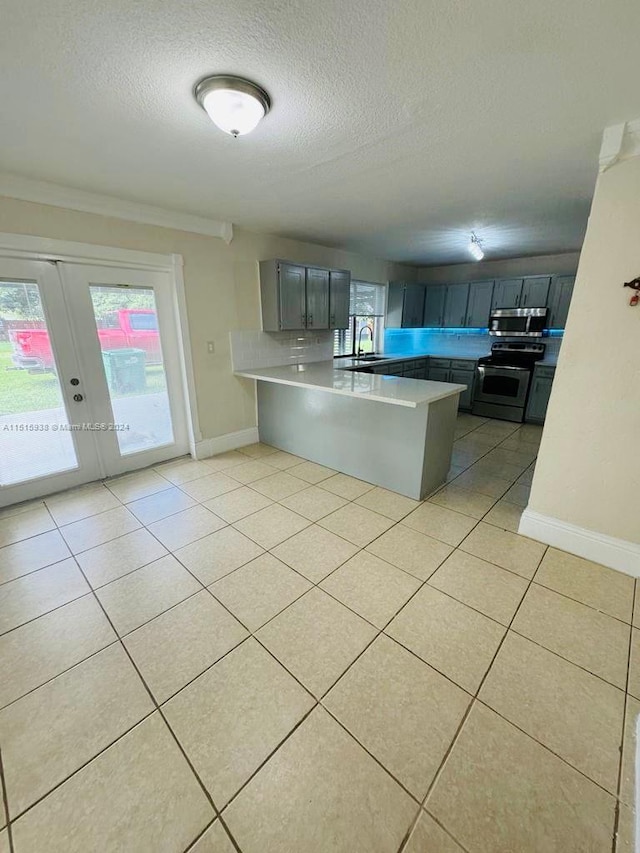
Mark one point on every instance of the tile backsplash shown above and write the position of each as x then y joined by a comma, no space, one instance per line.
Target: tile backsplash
271,349
472,343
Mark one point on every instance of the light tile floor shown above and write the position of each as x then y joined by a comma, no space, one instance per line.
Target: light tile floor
254,653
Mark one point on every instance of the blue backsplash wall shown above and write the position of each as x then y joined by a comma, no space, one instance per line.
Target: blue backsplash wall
472,343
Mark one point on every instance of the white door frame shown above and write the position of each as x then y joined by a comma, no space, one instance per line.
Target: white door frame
28,247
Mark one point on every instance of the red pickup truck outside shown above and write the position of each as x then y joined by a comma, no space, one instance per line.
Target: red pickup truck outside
128,327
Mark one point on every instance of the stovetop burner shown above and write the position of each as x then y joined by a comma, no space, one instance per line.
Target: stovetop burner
514,354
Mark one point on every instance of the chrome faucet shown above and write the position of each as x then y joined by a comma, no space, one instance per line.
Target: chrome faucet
360,350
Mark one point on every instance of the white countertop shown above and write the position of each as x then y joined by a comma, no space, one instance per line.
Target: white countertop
323,376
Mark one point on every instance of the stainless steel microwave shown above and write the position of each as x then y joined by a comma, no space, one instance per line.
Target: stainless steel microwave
518,322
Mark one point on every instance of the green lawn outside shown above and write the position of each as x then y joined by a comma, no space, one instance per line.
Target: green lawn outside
21,391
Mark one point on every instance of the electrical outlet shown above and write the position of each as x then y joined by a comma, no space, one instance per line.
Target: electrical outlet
211,347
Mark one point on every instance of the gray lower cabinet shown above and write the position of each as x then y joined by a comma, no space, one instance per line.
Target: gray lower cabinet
464,377
434,305
297,296
439,374
479,304
539,393
560,294
339,299
415,368
455,305
457,370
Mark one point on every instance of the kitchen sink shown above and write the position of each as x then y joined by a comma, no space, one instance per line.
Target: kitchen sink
370,358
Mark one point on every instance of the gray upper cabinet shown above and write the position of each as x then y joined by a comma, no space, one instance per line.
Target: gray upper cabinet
535,290
317,298
292,297
455,306
560,294
413,305
405,305
507,293
339,298
295,296
479,305
434,305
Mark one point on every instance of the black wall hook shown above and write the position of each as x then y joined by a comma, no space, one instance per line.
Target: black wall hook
634,283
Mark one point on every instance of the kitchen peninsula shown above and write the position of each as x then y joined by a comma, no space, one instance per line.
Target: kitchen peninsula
394,432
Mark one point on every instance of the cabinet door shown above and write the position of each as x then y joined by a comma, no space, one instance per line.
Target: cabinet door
434,305
395,303
479,305
506,293
439,374
463,377
455,306
292,299
317,299
339,293
539,398
413,308
559,300
535,290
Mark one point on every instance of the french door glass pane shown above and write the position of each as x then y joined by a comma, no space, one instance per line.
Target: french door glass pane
129,335
35,437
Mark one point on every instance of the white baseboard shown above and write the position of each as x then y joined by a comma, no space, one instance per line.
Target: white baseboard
598,547
222,443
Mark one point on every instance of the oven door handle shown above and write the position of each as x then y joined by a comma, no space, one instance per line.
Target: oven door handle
482,368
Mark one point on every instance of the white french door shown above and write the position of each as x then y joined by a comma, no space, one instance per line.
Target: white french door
90,374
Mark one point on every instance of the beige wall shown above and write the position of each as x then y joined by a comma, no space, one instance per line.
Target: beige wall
588,471
222,289
564,264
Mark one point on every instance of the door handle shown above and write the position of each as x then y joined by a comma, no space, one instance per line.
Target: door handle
78,398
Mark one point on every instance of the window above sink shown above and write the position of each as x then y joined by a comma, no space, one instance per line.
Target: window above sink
366,309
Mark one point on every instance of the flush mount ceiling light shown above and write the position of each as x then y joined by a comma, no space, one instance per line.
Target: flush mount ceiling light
233,104
475,247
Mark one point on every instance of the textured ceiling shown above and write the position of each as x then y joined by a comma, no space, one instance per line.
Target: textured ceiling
396,126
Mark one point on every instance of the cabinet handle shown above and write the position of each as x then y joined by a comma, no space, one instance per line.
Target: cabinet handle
524,301
303,320
309,319
462,320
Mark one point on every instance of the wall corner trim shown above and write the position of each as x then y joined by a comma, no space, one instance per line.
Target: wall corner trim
615,553
43,192
222,443
619,142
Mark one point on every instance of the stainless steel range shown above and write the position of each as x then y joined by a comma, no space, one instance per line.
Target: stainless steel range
503,380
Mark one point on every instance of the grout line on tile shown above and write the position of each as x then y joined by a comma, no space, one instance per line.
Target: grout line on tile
584,603
448,832
472,703
46,612
84,763
616,822
193,843
5,803
33,571
160,711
